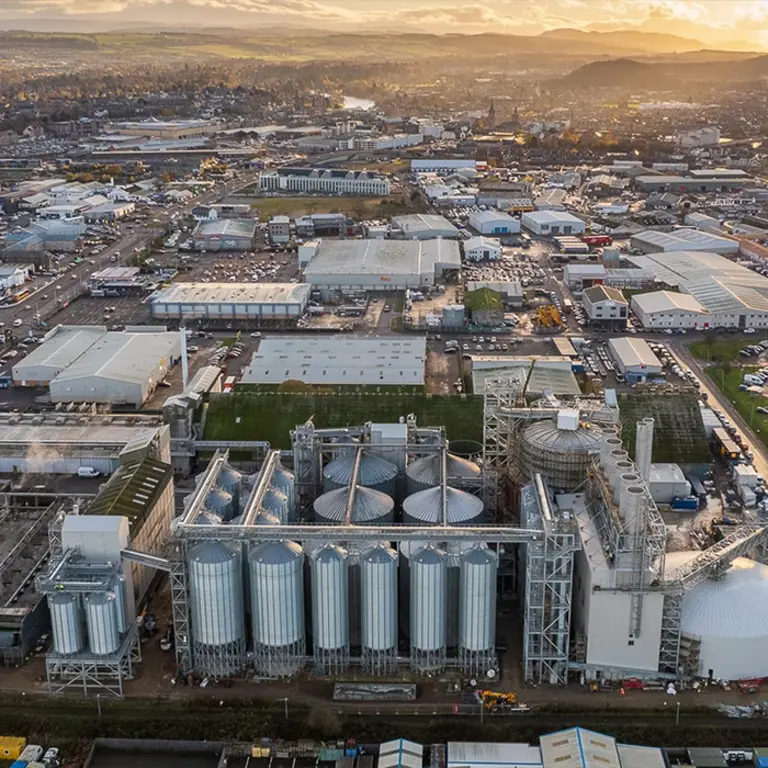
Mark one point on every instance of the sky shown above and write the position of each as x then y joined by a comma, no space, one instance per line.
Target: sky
732,23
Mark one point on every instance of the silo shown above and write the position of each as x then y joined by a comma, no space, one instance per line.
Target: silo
330,609
619,468
231,481
615,458
101,621
426,508
428,602
425,472
220,503
370,507
477,611
375,472
208,518
283,480
277,607
66,623
355,550
121,607
276,503
379,611
216,609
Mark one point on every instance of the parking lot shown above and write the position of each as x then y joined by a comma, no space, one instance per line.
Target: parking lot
114,312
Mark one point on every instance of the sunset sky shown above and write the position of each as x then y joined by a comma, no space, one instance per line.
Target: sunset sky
711,21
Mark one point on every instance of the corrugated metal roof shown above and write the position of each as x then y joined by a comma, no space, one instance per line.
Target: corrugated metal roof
667,301
476,754
686,239
579,748
634,756
373,470
633,353
369,505
240,293
426,506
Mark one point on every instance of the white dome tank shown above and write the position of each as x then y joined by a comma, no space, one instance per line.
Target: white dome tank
101,619
375,472
426,508
428,603
371,507
330,608
424,473
231,481
66,623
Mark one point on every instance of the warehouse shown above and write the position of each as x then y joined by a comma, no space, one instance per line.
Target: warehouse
605,307
419,226
225,235
580,276
550,200
462,754
482,249
550,223
665,309
119,368
683,239
494,223
376,265
634,359
734,296
231,301
334,360
335,181
673,183
511,292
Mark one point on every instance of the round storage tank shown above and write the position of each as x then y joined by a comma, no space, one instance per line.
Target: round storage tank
101,620
283,480
375,472
425,472
371,507
428,625
231,481
562,456
66,623
121,609
275,503
277,606
426,508
379,609
266,518
330,608
730,615
477,602
216,595
220,503
208,518
355,551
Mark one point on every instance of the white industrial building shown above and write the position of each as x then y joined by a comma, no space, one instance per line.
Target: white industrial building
734,296
665,309
550,223
605,306
380,265
580,276
442,165
13,275
634,358
339,361
494,223
323,181
421,226
231,301
225,235
683,239
482,249
550,200
667,482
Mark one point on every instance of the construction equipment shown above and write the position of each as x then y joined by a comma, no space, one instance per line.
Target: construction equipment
493,701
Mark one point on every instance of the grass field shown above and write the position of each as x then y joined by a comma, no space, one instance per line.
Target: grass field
357,207
719,350
271,416
728,381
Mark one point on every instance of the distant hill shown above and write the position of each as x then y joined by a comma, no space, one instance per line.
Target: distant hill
651,42
637,75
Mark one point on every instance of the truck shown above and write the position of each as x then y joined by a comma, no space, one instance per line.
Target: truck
88,472
597,241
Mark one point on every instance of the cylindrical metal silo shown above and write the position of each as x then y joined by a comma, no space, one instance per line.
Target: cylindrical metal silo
101,620
477,611
231,481
618,470
428,601
424,473
426,508
220,503
283,480
371,507
355,550
208,518
277,607
379,611
121,609
216,609
66,623
276,503
330,609
375,472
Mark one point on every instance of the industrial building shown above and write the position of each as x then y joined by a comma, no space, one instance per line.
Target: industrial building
336,360
683,239
482,249
118,281
550,200
420,226
224,235
536,375
634,358
551,223
511,292
231,301
494,223
380,265
605,306
666,309
323,181
734,296
690,184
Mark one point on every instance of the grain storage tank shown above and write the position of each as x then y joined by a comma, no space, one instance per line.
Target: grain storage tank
428,602
424,473
216,608
66,622
208,518
330,609
375,472
122,614
379,610
355,551
276,503
371,507
231,481
477,610
101,620
277,607
561,451
220,503
426,508
283,480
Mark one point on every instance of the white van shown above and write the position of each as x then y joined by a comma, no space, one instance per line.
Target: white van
88,472
17,322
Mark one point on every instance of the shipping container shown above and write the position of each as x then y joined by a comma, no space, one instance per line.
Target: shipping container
11,747
19,764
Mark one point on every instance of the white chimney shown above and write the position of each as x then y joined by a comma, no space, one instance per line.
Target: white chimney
184,361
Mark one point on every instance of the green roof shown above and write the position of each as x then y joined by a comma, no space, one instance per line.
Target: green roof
483,298
132,491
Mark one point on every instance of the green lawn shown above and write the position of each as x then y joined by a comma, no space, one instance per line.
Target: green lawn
719,349
271,416
728,381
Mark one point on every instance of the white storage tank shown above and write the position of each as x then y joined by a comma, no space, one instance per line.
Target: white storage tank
428,603
231,482
66,623
477,609
375,472
426,508
330,609
424,473
101,620
379,610
220,503
277,607
283,480
371,507
276,503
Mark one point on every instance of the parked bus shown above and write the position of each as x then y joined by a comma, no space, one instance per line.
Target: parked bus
20,296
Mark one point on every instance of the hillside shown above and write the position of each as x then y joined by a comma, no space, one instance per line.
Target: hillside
651,42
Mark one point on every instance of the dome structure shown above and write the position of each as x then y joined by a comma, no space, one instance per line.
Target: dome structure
370,507
426,508
424,473
375,472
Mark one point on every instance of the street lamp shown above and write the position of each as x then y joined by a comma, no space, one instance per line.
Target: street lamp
285,701
677,714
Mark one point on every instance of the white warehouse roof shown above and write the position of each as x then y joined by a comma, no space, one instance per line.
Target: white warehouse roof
424,225
61,347
491,217
633,353
336,360
491,243
665,302
233,293
474,754
552,217
579,748
685,239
